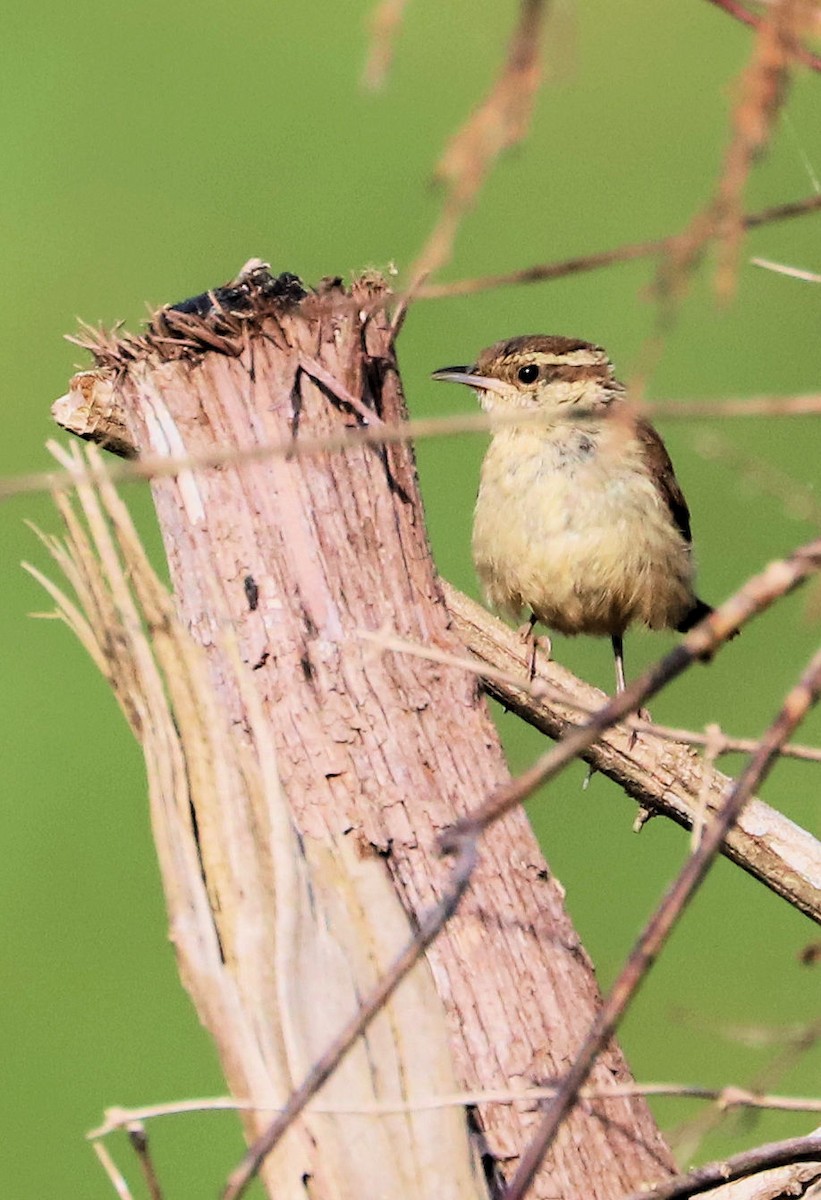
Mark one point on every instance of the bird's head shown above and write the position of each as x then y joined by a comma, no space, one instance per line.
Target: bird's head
539,372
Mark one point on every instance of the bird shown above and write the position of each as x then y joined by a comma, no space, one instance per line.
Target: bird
579,516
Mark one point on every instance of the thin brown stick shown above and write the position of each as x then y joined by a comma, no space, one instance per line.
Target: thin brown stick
139,1141
740,1166
795,707
798,51
318,373
628,252
429,929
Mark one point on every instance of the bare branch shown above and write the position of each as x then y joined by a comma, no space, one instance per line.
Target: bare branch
380,433
751,1162
808,405
762,91
139,1140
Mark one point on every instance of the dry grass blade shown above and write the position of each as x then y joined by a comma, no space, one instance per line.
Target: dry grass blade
783,269
112,1171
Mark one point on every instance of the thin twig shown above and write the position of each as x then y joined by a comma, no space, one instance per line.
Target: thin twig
430,926
740,1166
795,707
783,269
807,405
729,1097
762,90
112,1171
384,25
321,375
538,688
628,252
139,1140
381,433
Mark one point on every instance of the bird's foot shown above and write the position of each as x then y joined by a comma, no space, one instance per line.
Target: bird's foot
643,714
533,643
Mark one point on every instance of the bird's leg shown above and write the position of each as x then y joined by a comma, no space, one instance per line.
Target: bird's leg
618,654
527,633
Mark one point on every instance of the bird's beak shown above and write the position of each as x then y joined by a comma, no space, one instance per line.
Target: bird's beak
481,383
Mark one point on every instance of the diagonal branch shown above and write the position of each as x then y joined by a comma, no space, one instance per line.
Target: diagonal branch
795,707
667,781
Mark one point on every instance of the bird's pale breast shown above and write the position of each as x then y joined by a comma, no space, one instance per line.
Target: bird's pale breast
570,524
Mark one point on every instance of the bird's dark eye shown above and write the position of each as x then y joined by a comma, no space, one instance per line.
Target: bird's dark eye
528,374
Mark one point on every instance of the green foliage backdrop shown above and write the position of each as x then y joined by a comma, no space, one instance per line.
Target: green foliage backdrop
149,151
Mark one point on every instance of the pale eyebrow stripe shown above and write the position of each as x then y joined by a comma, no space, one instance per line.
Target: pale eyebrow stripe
581,358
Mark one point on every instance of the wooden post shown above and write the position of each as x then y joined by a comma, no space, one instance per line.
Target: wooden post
278,563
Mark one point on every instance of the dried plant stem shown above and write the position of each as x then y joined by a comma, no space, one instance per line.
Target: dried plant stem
500,121
113,1172
795,707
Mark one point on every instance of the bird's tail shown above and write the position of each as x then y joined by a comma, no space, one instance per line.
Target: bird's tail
697,613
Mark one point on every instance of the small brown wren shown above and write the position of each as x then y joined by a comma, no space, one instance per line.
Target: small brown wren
579,516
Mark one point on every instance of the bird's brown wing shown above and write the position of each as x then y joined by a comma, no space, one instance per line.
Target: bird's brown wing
663,476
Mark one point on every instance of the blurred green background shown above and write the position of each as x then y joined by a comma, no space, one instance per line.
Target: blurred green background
149,151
